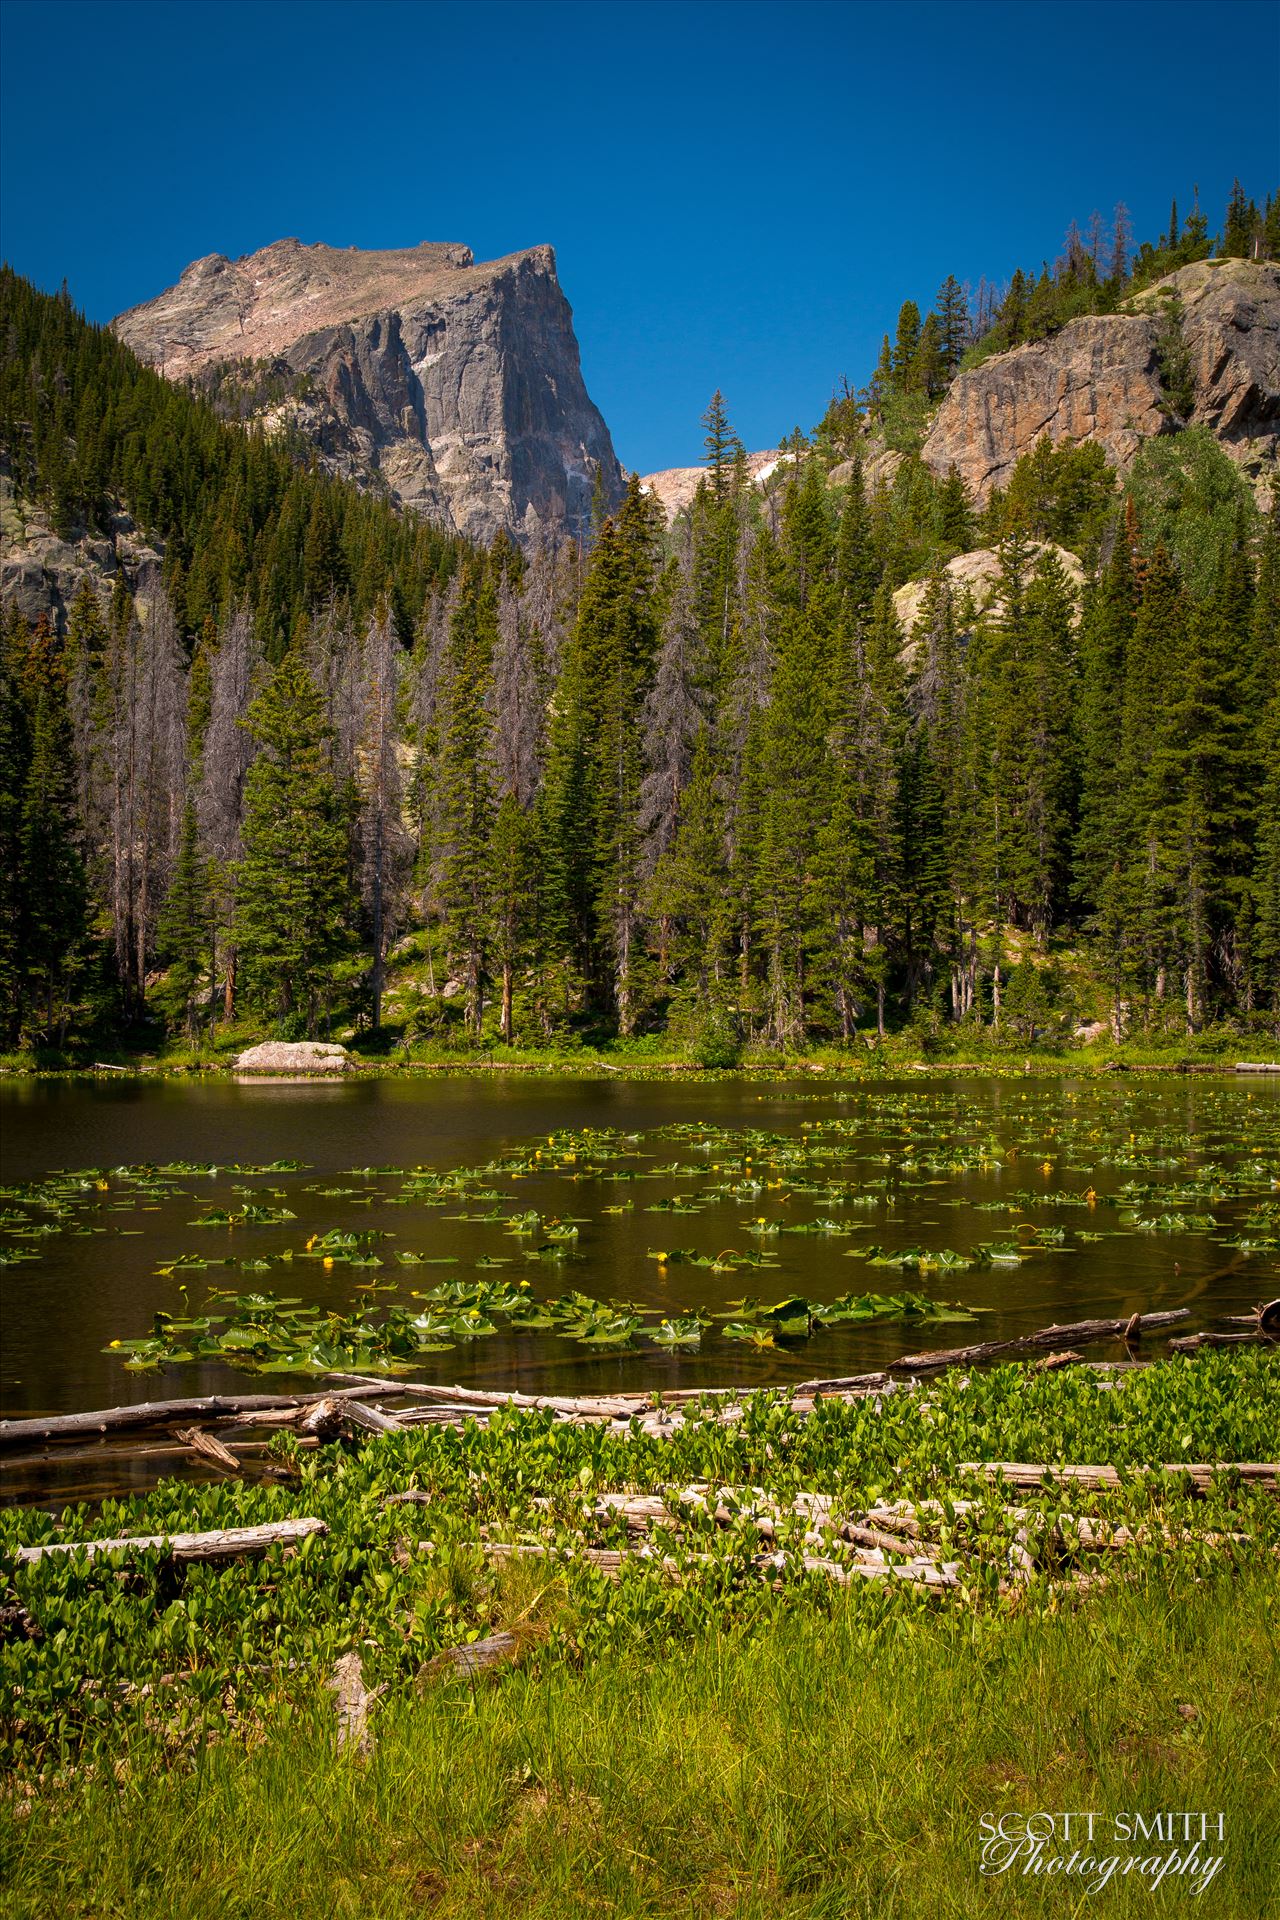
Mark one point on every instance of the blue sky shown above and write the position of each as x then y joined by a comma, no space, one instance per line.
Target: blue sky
740,193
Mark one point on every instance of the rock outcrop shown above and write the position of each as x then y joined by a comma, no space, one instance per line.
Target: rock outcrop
40,572
453,385
1100,379
977,575
1231,326
293,1056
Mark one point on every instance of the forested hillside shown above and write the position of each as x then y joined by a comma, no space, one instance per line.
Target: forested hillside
698,781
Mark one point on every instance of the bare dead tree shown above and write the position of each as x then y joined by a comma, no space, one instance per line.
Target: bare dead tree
517,702
227,755
384,842
136,776
674,711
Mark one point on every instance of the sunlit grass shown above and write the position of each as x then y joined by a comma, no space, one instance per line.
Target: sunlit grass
815,1769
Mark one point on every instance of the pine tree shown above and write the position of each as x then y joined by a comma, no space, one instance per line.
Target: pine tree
905,342
596,763
467,803
1241,225
512,885
722,445
928,370
953,324
687,898
954,513
291,884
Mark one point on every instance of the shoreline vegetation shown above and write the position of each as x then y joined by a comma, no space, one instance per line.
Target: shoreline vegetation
1210,1053
529,1662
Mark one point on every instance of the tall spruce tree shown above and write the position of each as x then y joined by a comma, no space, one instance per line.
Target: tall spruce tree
466,786
292,902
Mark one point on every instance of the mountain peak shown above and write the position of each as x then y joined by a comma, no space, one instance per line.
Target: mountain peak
451,384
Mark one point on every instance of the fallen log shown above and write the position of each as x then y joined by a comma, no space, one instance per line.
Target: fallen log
226,1544
619,1405
19,1435
208,1448
1058,1337
338,1413
1190,1342
610,1562
1069,1530
476,1657
604,1407
1200,1473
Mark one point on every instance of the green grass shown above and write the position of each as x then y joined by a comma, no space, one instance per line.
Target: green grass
815,1769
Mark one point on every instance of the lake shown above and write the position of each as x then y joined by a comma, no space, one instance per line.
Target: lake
1177,1169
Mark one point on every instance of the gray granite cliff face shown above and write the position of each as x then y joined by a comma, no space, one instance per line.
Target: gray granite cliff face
1100,379
455,387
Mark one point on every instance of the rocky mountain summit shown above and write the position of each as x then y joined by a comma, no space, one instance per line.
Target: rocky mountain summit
1106,377
453,385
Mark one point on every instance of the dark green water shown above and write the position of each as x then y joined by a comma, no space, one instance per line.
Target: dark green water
946,1165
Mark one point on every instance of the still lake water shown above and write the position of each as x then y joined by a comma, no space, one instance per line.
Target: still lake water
930,1164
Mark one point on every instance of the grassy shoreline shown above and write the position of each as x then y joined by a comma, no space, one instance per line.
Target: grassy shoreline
1220,1055
694,1734
810,1772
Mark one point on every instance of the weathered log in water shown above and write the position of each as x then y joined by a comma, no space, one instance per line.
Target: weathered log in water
17,1436
612,1406
208,1447
341,1413
1191,1342
1060,1337
229,1543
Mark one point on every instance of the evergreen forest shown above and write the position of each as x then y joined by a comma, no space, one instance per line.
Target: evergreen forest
701,787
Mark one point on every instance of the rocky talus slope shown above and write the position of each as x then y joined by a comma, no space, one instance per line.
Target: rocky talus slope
453,384
1102,378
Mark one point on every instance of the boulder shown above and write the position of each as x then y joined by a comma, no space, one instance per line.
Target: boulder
294,1056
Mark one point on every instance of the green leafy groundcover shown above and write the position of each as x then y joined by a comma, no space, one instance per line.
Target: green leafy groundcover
212,1645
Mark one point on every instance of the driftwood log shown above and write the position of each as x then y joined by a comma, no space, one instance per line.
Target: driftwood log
476,1657
1130,1328
19,1436
338,1413
208,1447
227,1544
610,1562
1200,1473
339,1408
